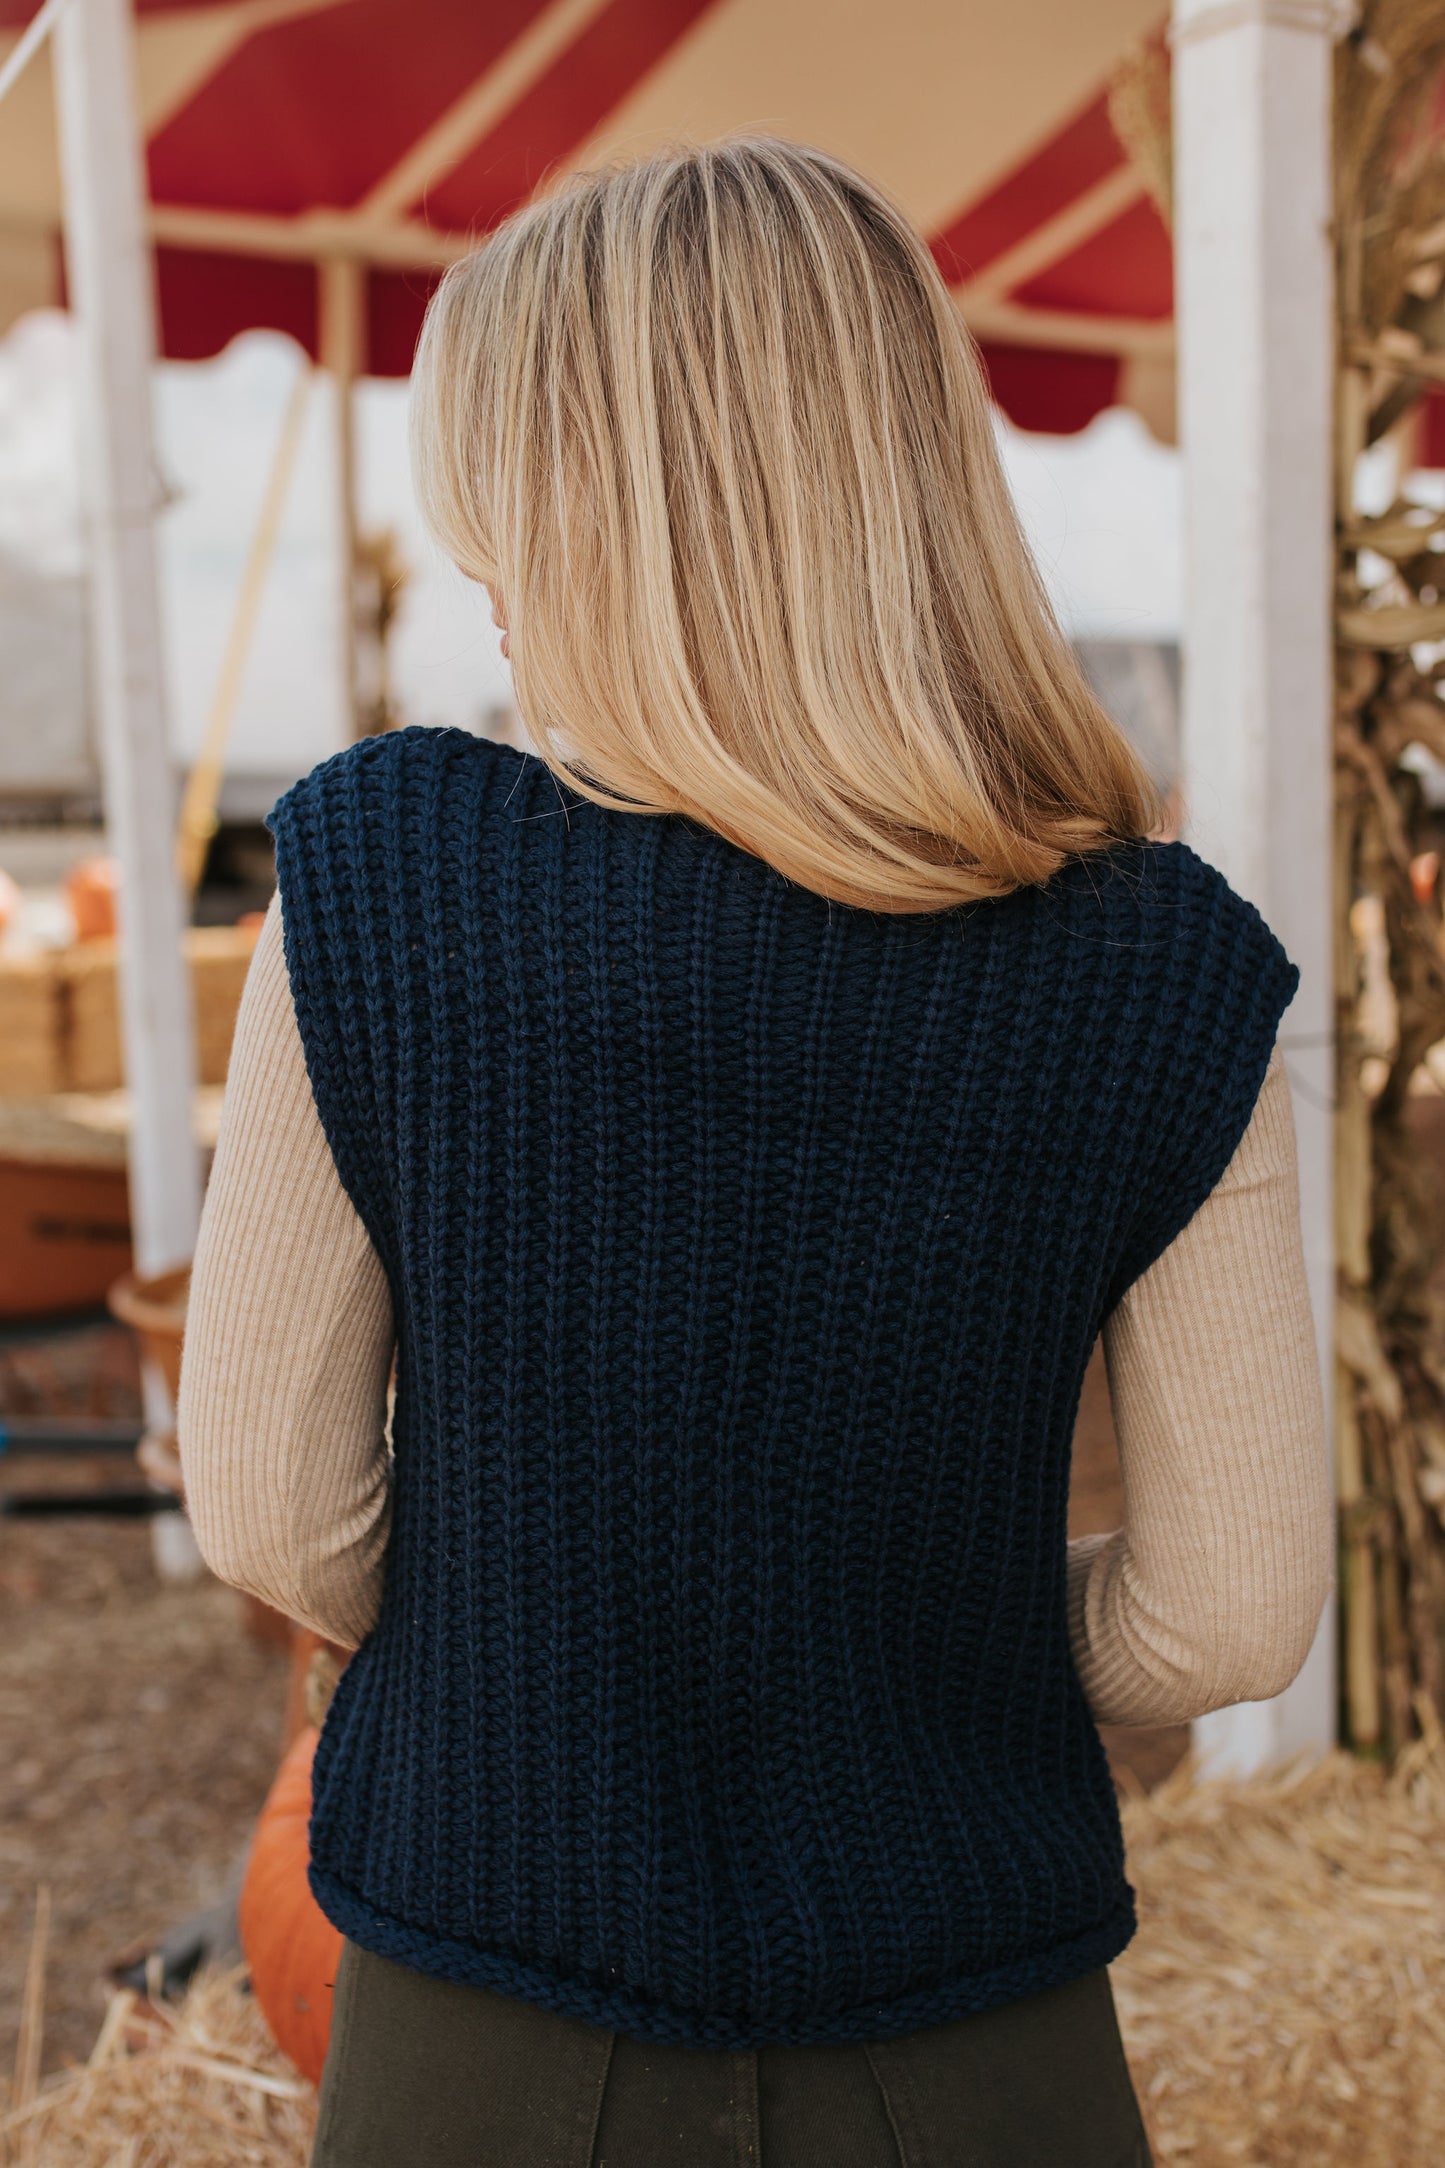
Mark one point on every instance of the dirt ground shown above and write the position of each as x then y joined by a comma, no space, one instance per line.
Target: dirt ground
139,1726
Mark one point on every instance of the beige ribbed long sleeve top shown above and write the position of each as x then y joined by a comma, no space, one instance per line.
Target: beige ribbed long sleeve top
1209,1593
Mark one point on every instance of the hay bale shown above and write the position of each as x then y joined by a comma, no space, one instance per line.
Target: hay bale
196,2085
1284,2000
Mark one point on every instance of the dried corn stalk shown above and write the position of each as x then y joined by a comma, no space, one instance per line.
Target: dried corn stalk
1390,626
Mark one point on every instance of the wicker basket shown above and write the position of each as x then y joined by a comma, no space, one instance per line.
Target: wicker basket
60,1013
219,957
31,1028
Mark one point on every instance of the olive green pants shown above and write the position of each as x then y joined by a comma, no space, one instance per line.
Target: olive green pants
425,2074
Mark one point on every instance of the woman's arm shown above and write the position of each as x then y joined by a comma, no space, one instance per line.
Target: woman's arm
1211,1591
288,1343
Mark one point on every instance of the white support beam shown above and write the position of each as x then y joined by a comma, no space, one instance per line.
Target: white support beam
109,275
1255,329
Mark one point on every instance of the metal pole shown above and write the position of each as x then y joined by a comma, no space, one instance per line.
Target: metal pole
1255,315
109,276
340,343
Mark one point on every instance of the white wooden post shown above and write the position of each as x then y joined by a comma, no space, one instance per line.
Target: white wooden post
1255,325
109,276
108,272
107,265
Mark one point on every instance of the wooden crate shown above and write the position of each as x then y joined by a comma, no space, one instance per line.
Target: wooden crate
92,1019
219,957
64,1235
31,1028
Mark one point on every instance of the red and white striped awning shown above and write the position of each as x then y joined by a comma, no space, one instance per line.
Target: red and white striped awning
286,135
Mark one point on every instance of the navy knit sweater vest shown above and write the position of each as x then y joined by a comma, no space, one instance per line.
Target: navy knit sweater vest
746,1252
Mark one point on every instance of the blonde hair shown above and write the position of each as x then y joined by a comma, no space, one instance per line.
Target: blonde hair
712,428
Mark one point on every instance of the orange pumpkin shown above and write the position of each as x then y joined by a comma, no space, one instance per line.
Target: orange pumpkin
290,1945
90,890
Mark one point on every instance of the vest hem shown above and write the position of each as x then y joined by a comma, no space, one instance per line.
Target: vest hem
620,2010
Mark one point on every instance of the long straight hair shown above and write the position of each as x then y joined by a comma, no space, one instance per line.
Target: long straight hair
711,427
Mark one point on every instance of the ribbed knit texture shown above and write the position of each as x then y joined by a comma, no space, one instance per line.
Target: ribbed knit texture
280,1261
746,1253
1211,1591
